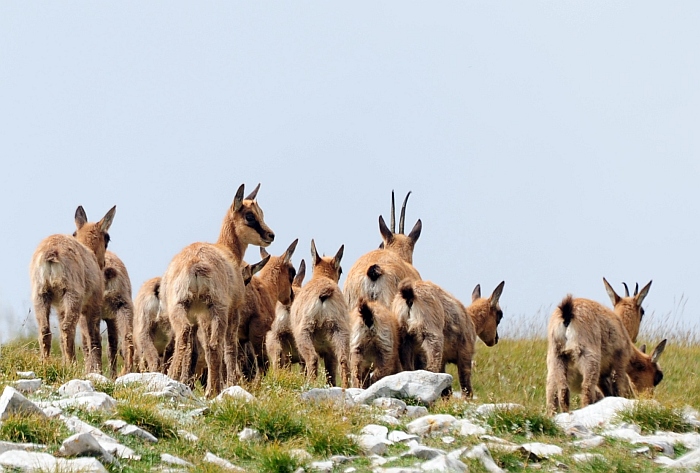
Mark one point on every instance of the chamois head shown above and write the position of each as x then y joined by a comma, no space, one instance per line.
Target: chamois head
398,242
486,314
281,272
326,266
94,235
629,308
244,223
644,371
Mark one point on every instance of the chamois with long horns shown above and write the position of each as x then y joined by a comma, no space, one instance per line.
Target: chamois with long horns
202,289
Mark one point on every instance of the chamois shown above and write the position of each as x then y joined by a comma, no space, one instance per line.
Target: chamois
118,313
486,314
203,288
255,317
66,273
319,317
375,276
153,334
435,329
629,308
374,343
279,342
588,342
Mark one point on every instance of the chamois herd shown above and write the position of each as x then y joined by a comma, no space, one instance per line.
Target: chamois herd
213,317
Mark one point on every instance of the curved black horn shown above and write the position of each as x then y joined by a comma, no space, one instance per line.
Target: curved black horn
636,288
253,194
627,290
403,213
393,214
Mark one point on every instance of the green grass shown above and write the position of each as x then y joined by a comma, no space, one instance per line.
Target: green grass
521,422
33,428
652,416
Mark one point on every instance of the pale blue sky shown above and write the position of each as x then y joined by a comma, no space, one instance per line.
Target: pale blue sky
547,144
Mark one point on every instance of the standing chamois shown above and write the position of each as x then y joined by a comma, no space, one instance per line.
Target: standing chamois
279,342
375,276
203,288
66,273
118,313
320,322
588,342
374,343
273,284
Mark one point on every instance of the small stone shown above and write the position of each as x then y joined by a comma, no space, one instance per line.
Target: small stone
97,378
431,424
26,374
52,411
467,428
579,431
173,460
448,440
339,459
75,386
218,461
376,430
248,434
423,452
486,409
115,424
134,431
300,454
586,457
414,412
158,385
592,442
370,444
235,392
394,407
387,419
5,446
422,385
38,462
641,450
91,401
326,466
27,386
444,463
350,470
84,444
12,402
399,436
541,450
190,437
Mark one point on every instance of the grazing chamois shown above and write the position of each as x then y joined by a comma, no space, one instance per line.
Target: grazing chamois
202,289
629,308
486,314
66,273
588,342
118,313
279,342
375,276
153,334
374,343
435,329
255,317
320,320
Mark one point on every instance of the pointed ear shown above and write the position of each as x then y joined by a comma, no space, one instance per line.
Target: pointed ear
614,298
643,348
259,265
253,194
415,232
247,273
80,217
476,293
263,252
287,256
107,220
238,199
299,278
338,256
497,294
639,298
658,351
387,235
314,254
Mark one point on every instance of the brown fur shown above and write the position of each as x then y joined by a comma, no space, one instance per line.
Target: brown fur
628,308
319,317
255,317
374,343
588,342
153,335
279,342
376,275
66,273
203,288
118,313
486,314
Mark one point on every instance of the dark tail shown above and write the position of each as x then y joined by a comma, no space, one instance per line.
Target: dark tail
110,273
567,309
374,271
325,294
406,290
156,290
366,313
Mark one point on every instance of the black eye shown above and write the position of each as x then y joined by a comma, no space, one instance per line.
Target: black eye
106,239
499,316
292,274
641,312
75,234
340,270
249,217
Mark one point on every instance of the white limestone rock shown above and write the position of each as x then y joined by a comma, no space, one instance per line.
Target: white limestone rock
482,453
422,385
394,407
189,436
27,386
325,466
399,436
159,385
40,462
486,409
235,392
115,424
134,431
108,443
84,444
75,386
220,462
376,430
602,413
92,401
541,450
414,412
12,402
335,394
431,424
592,442
467,428
370,444
26,374
387,419
586,457
248,434
422,451
444,463
173,460
6,446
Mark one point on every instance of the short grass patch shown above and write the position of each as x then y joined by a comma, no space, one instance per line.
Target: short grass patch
33,428
651,416
143,412
521,422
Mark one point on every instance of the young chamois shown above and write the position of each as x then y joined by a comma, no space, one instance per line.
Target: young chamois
153,334
203,288
66,273
118,313
486,314
320,321
375,276
435,329
279,342
374,343
588,342
629,308
273,284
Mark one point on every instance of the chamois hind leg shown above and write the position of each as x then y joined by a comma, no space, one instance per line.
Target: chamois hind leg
42,310
182,353
149,354
232,349
112,345
274,350
433,345
464,370
341,348
557,384
622,381
589,366
307,352
213,339
125,329
68,317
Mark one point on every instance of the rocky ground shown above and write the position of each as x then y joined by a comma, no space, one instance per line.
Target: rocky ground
92,447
